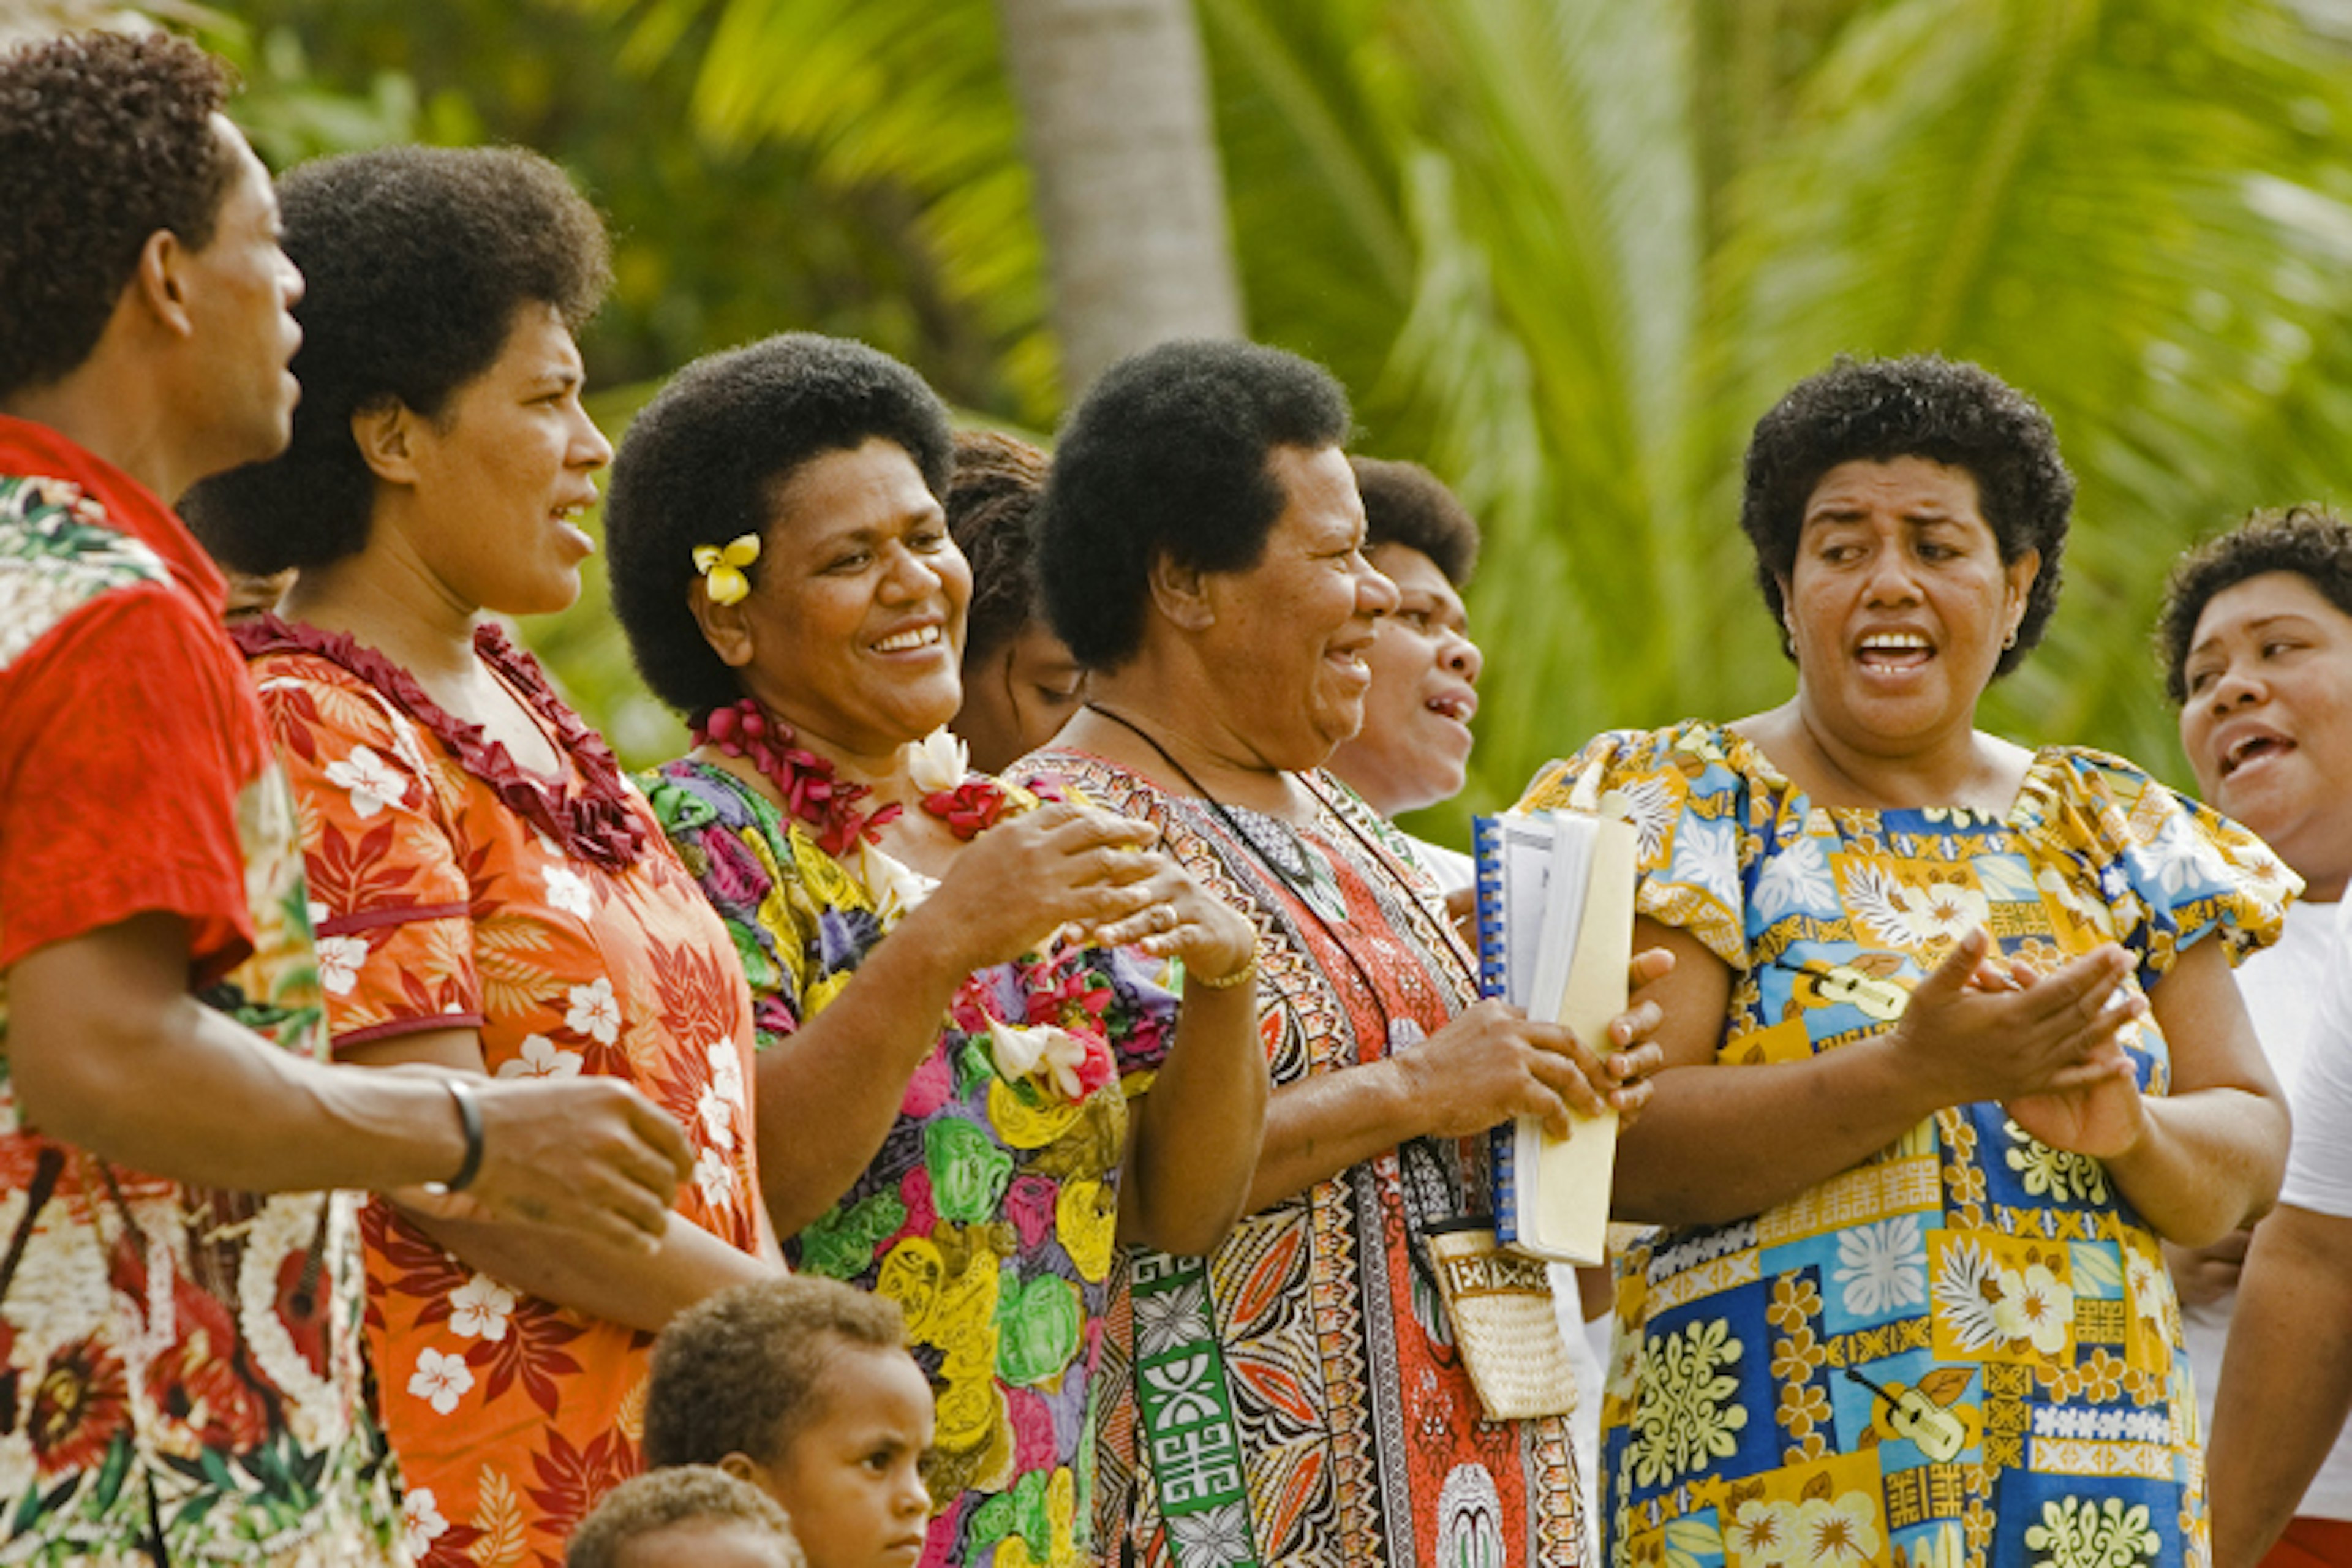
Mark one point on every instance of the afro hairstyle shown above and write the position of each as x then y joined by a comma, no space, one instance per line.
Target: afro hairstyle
1924,405
105,139
702,464
738,1371
992,505
418,261
693,1495
1407,505
2309,540
1167,456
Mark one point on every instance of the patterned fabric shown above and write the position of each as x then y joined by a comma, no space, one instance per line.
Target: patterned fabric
1966,1350
440,906
1309,1393
990,1212
168,1355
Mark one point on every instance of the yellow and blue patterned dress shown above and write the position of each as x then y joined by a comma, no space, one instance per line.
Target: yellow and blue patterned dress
1965,1350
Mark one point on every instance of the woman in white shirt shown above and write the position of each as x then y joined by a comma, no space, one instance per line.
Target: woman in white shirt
2257,638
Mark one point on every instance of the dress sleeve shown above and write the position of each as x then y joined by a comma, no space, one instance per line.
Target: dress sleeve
1686,803
748,877
2319,1159
390,893
2162,871
126,739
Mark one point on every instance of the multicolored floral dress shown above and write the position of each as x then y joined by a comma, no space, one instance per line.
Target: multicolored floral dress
989,1215
1300,1400
1965,1350
453,890
175,1361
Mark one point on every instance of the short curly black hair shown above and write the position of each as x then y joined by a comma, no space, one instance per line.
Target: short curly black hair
1167,455
1923,405
992,506
1406,504
664,1499
416,261
737,1371
105,139
703,461
2310,541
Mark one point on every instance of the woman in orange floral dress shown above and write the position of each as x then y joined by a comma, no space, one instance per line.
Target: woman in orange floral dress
490,894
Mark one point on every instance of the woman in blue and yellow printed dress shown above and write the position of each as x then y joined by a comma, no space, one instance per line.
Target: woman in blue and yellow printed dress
966,999
1904,1304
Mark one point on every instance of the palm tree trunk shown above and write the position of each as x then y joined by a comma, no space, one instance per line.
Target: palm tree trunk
1131,199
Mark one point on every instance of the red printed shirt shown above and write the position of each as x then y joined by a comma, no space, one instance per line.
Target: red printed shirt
174,1355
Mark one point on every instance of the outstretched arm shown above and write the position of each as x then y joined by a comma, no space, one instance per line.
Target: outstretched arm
643,1288
108,1051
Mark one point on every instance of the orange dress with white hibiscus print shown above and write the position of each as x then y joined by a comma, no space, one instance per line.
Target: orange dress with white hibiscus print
452,889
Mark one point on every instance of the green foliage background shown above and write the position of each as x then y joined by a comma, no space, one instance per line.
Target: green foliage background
1565,251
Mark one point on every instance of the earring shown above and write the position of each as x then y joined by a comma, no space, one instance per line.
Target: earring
2011,640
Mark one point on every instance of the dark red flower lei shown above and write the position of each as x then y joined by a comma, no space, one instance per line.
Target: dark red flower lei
971,808
599,823
819,798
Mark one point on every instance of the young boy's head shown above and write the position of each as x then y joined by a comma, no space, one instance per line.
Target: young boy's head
695,1517
802,1387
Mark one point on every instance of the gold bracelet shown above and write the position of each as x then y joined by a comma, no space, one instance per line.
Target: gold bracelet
1242,976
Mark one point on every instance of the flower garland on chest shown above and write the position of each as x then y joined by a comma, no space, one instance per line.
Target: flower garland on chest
597,818
1072,1064
833,807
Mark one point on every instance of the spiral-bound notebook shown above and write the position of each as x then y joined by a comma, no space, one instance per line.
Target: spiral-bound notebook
1555,935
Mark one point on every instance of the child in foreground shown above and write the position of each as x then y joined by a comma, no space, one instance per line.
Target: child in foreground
693,1517
804,1388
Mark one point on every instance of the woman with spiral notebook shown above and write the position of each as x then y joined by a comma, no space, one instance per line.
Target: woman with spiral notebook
1318,1393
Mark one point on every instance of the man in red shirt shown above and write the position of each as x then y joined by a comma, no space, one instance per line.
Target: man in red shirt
179,1353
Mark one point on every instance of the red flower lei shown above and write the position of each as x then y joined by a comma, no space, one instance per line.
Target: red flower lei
819,798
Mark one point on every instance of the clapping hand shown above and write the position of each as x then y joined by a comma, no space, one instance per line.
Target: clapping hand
2047,1046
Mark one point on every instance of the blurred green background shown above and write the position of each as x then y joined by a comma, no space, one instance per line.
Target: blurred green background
1564,251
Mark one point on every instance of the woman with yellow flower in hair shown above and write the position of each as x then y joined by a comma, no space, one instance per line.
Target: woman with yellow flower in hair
963,987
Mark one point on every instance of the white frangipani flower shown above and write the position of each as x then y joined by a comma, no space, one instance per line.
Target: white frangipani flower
938,761
1055,1053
